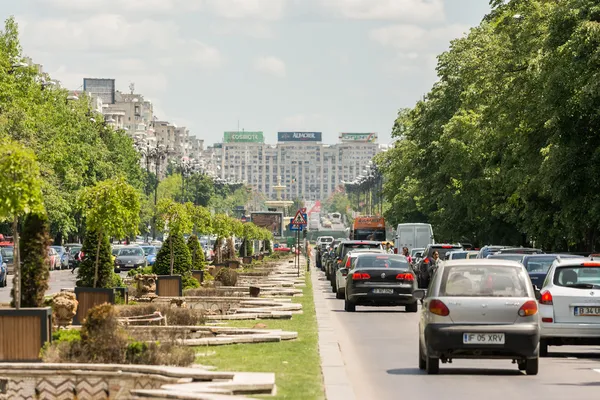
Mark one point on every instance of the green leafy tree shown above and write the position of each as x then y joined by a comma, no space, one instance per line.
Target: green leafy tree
112,208
97,267
20,194
197,253
221,227
34,246
174,257
176,218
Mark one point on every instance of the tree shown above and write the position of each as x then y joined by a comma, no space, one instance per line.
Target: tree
20,194
174,257
176,218
200,218
97,267
197,252
34,270
112,208
221,226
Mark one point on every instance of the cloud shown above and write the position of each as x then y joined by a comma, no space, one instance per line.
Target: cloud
258,30
205,55
270,65
413,40
427,11
303,123
250,9
126,6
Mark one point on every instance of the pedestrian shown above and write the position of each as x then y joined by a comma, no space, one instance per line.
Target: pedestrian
406,254
78,260
388,248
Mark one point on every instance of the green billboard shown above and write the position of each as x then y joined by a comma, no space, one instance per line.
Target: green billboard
358,137
243,137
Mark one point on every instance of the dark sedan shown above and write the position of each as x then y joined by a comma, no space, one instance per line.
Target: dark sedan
380,280
130,257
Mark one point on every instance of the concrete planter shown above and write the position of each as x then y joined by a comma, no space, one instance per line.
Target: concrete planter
23,333
261,257
169,286
235,264
247,260
198,274
89,298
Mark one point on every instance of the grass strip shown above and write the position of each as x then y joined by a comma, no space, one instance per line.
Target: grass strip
296,363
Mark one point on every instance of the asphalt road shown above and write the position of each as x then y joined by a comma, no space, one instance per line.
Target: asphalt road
380,350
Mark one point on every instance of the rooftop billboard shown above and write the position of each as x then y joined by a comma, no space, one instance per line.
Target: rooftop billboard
299,136
243,137
273,221
358,137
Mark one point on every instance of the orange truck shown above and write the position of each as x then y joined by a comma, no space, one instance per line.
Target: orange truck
368,228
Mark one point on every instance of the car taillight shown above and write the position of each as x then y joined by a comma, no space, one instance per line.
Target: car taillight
438,307
360,276
348,263
590,264
446,247
395,251
528,309
546,298
406,277
426,260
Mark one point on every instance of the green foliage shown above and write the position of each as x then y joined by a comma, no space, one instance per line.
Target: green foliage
227,276
34,271
66,335
140,270
174,216
339,202
182,259
197,252
268,247
87,268
102,336
200,218
505,146
189,282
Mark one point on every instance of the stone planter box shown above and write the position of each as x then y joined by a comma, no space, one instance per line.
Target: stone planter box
247,260
89,298
169,286
261,257
124,293
198,274
23,333
254,291
233,264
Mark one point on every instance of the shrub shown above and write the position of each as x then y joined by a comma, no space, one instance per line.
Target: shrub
197,252
227,276
182,259
229,250
189,282
246,248
66,335
102,337
140,270
268,247
175,316
154,353
86,270
34,271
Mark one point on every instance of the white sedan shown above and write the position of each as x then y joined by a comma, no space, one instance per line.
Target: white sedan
570,304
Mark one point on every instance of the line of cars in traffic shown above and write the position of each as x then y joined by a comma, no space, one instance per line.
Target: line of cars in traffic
498,302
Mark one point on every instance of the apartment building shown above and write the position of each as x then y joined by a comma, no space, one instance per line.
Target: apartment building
309,169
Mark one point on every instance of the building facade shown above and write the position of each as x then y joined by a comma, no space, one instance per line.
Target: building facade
309,169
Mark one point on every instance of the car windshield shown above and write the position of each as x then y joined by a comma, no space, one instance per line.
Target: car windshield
579,277
8,251
149,250
539,264
350,246
381,261
369,234
59,249
74,250
483,281
131,252
459,256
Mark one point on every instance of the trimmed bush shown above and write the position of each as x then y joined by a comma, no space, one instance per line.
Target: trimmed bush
182,258
102,337
227,276
197,252
140,270
229,250
175,316
33,248
189,282
106,267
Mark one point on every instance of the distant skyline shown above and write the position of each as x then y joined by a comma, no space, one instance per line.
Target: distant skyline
326,66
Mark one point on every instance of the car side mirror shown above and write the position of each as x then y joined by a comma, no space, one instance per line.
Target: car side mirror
344,271
538,294
419,294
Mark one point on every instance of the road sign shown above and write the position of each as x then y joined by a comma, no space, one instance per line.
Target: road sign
299,219
295,228
303,209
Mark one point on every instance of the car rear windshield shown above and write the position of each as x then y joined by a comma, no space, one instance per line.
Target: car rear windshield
381,261
578,277
484,281
326,240
459,256
131,252
149,250
442,251
351,246
539,264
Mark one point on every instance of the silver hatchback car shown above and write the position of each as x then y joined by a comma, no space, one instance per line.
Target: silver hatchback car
480,308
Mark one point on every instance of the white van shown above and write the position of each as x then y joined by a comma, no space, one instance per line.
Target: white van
413,235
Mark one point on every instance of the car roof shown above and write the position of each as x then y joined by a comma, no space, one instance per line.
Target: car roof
360,251
574,261
491,262
348,241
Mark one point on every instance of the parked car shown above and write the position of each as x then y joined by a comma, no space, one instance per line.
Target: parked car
570,304
482,308
339,286
150,253
537,265
8,257
53,259
73,249
130,257
64,256
3,270
380,280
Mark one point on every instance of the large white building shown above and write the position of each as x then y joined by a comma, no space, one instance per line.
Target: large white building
309,169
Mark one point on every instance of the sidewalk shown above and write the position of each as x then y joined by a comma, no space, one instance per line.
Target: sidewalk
337,384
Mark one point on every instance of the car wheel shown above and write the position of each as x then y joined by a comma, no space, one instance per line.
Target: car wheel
543,348
432,365
522,365
422,363
532,366
339,294
411,307
349,306
334,286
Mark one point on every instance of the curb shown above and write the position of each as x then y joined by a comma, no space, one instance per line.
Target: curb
337,384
